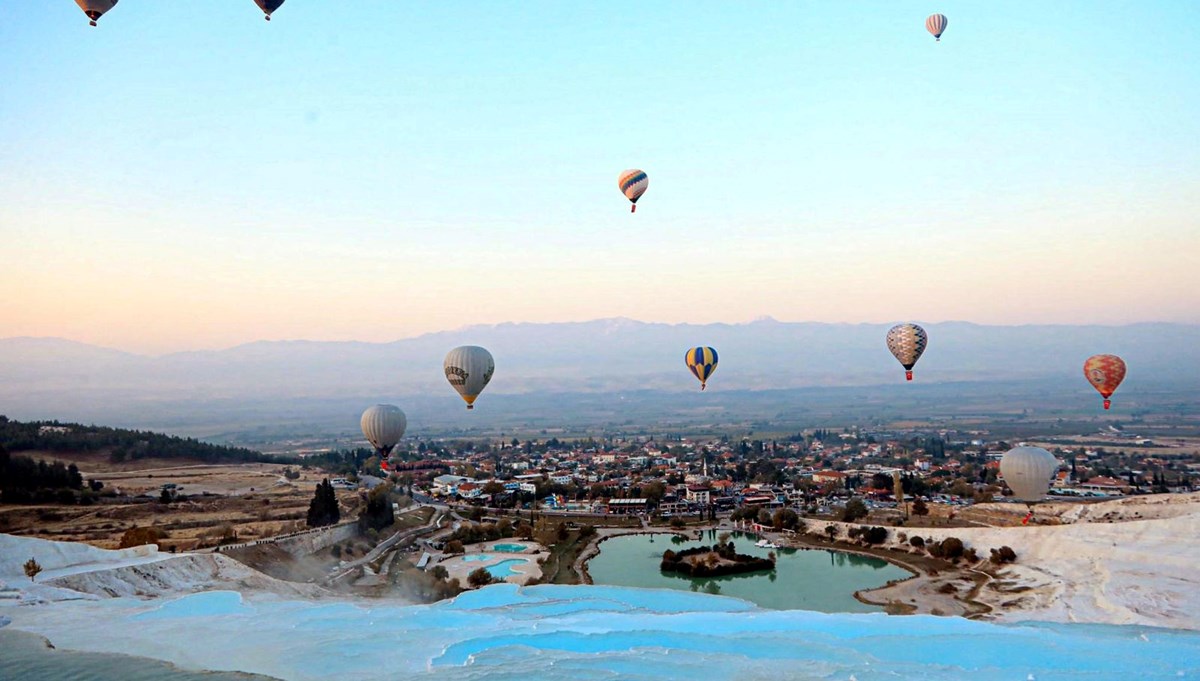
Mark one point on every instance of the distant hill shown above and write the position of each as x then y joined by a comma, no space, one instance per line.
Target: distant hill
276,382
51,438
595,356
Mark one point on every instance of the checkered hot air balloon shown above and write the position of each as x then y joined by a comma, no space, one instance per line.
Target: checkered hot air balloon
936,24
907,342
633,184
1105,373
702,362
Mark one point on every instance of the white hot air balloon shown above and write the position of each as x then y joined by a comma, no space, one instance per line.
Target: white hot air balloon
1028,471
384,425
469,368
94,9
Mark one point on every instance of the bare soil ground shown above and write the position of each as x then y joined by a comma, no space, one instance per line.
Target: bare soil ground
253,500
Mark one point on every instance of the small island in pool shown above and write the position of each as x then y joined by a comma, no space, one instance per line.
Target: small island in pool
717,560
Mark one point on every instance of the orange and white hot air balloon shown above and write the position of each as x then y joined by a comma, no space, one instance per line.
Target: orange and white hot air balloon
1105,373
936,25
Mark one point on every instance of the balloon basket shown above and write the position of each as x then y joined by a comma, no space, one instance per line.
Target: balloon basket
633,208
1107,403
908,375
470,406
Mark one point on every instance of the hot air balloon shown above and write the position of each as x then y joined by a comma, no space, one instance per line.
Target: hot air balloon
907,342
469,368
383,425
1028,471
1105,373
936,24
633,184
268,6
702,362
94,9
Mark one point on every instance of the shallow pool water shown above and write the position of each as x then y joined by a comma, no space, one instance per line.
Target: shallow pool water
477,558
505,567
509,548
806,580
575,632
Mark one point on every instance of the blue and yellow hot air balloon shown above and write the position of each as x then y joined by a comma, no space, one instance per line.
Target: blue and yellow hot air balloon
702,362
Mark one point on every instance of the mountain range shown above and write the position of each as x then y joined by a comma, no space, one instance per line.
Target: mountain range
57,378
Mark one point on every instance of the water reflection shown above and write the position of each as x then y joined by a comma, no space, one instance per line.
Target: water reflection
802,579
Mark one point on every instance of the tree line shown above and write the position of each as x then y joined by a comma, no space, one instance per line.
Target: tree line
25,481
121,444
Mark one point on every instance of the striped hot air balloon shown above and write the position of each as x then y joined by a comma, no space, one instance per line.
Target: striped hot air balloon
702,362
633,184
936,24
1105,373
469,369
907,343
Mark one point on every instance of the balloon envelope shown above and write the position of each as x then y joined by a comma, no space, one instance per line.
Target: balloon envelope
469,369
702,362
94,9
1105,373
268,6
633,184
936,24
907,343
384,425
1028,470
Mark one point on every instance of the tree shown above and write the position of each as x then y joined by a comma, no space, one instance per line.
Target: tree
454,546
785,519
654,491
323,509
138,536
32,568
919,507
855,509
1004,554
439,572
165,497
763,517
875,535
480,577
832,531
378,512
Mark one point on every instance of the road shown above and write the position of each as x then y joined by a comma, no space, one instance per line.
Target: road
386,545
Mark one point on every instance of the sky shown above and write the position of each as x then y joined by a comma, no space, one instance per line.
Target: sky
177,180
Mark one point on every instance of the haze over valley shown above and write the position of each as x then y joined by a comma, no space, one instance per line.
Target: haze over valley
610,375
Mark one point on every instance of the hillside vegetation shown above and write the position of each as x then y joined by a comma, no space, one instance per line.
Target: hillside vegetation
120,444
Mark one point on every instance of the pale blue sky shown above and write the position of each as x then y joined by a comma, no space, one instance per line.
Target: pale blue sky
178,179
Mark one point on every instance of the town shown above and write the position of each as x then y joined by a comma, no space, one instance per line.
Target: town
814,472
